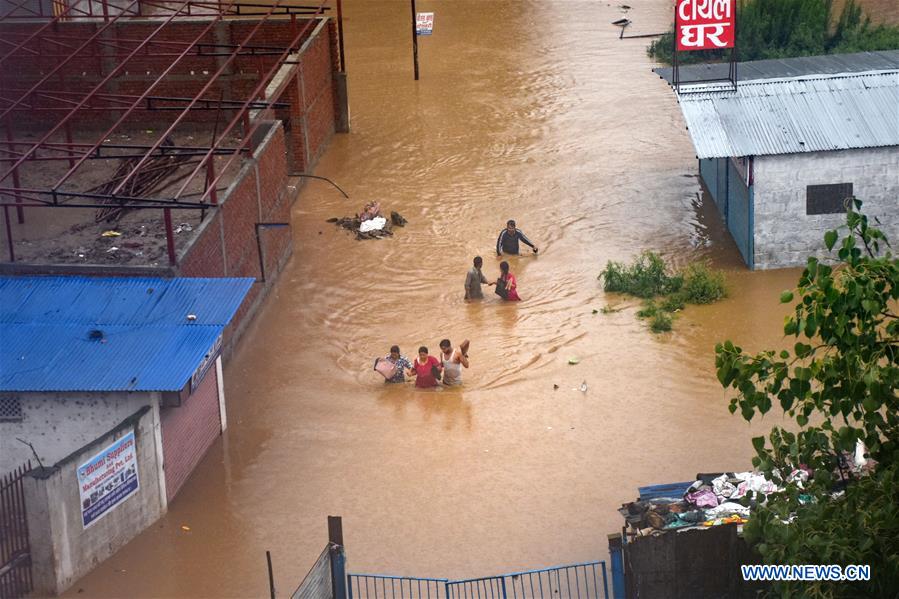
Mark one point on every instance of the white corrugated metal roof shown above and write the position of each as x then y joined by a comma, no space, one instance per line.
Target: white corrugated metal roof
792,115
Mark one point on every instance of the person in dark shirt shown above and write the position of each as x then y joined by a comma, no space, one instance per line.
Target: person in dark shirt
507,242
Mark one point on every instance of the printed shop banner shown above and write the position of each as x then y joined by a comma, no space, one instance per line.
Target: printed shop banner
108,479
705,24
424,23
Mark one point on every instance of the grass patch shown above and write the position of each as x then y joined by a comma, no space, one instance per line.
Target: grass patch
607,309
647,276
660,322
702,285
648,310
673,302
664,289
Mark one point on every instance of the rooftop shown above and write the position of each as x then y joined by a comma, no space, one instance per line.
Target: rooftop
831,64
794,114
110,334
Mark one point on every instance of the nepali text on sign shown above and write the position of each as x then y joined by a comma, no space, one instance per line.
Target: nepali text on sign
108,479
705,24
424,23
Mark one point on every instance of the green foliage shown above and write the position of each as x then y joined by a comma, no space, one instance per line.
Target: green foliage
702,285
660,322
648,310
787,28
649,277
646,277
860,528
673,302
841,375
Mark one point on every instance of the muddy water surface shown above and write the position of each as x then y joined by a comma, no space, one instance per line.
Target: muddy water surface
527,110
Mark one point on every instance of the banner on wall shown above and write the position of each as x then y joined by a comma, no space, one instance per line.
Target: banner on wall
705,24
108,479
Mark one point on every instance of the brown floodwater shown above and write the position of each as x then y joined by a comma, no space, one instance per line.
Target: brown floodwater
532,110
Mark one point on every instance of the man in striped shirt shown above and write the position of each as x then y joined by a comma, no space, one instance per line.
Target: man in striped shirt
507,242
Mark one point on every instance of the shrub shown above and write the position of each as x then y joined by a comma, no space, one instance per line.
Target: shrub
646,277
673,302
648,310
702,285
660,322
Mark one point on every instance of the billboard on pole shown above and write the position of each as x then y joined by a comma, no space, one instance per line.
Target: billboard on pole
705,24
424,23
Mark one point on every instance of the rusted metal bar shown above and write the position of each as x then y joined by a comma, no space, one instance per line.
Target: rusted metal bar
206,87
9,243
169,236
99,32
126,102
340,35
20,213
106,79
263,83
209,26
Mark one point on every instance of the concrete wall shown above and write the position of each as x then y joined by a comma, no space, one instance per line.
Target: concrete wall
62,550
59,423
784,234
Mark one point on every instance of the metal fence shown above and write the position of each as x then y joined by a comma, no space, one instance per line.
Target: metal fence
378,586
574,581
15,552
317,584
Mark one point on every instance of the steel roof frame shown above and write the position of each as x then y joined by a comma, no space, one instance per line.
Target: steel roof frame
71,105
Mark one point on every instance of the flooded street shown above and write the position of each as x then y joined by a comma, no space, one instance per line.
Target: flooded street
526,109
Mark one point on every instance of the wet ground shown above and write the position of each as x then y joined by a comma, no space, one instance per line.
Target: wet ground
530,110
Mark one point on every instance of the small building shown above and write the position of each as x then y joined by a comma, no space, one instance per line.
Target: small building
79,355
781,154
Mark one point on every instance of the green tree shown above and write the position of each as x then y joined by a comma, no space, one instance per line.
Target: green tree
838,383
788,28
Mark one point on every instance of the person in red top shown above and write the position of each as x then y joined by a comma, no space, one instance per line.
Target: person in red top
426,369
511,283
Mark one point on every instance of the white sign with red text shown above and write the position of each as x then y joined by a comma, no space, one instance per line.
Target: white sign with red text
705,24
424,23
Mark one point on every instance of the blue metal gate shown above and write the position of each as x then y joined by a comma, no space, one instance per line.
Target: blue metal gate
734,200
574,581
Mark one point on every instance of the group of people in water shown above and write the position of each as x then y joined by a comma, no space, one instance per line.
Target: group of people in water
506,285
430,371
427,370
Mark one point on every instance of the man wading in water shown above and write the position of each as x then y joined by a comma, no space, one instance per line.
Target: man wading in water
473,280
453,360
507,242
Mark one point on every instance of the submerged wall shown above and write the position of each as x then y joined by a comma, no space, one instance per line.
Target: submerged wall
62,548
785,234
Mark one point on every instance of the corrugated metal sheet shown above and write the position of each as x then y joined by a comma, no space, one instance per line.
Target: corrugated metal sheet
147,343
787,116
831,64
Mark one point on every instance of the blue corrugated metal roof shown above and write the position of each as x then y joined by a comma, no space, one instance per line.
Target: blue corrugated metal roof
794,115
147,343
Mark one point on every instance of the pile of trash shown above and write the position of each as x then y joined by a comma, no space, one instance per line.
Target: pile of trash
725,498
373,228
711,500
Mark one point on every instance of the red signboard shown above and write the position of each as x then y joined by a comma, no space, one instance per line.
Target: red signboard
705,24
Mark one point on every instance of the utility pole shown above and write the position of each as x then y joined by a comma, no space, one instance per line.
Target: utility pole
414,40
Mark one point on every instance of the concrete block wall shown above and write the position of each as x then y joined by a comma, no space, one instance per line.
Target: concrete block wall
59,423
784,234
62,550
